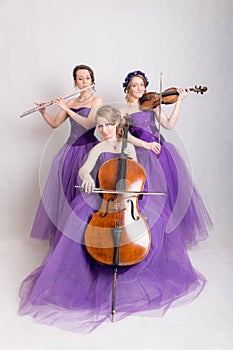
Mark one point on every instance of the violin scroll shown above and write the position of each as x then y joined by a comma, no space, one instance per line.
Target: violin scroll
199,89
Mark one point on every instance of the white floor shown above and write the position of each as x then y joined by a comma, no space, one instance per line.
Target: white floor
206,323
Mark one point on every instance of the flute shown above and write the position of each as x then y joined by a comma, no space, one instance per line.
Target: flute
46,104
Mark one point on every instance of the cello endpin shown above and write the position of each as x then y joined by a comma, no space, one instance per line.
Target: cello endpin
113,314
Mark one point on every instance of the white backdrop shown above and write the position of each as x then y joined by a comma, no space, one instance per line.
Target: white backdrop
190,41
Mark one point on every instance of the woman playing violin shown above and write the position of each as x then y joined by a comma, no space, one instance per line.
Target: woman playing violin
135,87
72,291
185,209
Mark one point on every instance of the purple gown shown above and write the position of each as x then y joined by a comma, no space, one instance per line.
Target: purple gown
59,189
184,209
73,292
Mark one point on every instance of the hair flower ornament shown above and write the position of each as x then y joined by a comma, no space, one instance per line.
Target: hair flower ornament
133,74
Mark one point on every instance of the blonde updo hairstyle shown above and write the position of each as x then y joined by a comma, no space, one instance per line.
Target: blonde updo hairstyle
113,115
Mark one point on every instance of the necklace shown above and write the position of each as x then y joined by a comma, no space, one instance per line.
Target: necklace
85,99
111,144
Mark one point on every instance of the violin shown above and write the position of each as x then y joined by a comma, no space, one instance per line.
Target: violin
151,100
117,234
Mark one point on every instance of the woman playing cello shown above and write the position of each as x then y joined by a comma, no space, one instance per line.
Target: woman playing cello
72,291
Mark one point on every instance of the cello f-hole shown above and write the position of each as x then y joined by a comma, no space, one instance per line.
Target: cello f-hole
133,211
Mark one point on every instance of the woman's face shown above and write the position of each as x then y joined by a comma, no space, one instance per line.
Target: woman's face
106,129
137,88
83,79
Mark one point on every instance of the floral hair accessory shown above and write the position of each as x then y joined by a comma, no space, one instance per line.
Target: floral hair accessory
133,74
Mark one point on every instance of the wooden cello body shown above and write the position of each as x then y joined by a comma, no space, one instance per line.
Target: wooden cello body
117,234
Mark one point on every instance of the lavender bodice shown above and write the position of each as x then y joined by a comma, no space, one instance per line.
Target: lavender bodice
78,134
144,126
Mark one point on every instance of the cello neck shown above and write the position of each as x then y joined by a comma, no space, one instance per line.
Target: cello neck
122,161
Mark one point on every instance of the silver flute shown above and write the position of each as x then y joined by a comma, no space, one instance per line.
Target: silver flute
46,104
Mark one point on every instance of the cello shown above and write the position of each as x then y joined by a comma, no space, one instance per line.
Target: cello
117,234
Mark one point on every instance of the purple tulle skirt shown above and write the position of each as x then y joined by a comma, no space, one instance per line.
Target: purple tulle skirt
73,292
59,189
183,206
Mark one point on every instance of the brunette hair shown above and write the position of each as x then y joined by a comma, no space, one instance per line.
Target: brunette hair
83,66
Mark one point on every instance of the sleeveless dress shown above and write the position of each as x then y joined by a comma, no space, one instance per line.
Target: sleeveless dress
59,189
73,292
183,206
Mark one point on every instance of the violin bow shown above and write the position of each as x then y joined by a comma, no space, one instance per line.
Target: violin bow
160,108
